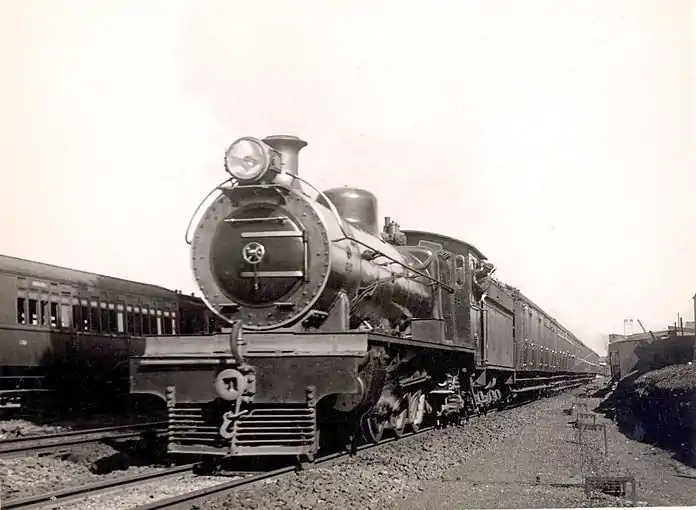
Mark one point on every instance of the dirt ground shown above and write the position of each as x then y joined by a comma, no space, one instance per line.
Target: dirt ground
544,466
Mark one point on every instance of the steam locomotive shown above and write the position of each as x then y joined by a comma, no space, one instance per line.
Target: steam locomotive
339,329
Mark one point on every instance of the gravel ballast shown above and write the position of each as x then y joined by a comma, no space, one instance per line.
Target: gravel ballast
88,463
492,462
11,428
523,457
383,477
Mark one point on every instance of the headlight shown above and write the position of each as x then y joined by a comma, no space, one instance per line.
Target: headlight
249,159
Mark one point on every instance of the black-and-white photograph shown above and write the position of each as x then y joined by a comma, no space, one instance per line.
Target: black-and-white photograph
347,254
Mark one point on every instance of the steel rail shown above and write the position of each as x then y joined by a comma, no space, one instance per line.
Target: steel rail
63,496
26,445
184,501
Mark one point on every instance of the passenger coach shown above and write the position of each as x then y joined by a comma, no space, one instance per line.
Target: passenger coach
67,329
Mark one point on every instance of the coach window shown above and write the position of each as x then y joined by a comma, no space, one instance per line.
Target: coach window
159,322
145,319
112,320
65,311
137,322
44,311
167,323
174,326
130,323
145,316
83,323
21,310
65,315
104,317
84,314
94,316
77,313
120,325
54,314
33,312
153,322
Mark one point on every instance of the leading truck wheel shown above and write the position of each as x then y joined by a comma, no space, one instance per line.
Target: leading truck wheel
372,428
416,411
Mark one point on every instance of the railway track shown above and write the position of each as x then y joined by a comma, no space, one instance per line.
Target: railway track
52,443
63,497
186,500
70,495
196,497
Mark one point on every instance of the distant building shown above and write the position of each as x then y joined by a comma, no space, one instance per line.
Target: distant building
613,338
670,332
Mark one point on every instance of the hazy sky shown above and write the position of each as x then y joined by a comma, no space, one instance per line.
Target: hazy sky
556,136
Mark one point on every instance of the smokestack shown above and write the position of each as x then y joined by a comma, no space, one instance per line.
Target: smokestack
289,147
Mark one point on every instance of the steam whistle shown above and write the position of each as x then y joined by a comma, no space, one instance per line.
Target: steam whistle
392,233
